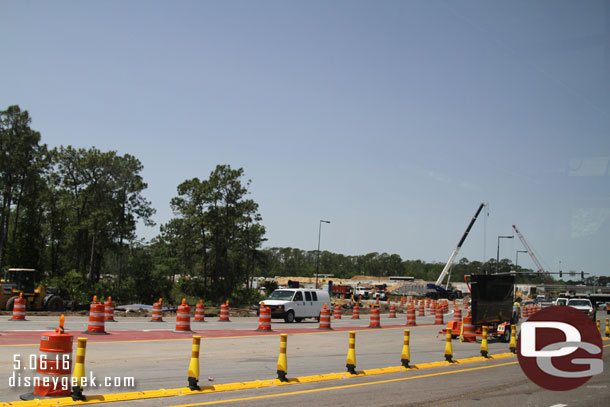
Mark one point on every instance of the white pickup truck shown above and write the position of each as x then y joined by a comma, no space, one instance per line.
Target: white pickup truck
582,304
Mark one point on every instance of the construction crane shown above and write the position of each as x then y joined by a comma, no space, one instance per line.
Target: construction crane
436,290
532,255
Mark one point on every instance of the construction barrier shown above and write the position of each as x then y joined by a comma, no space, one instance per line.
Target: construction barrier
282,361
78,375
351,353
513,339
405,356
224,313
457,315
19,309
53,364
193,371
484,348
411,317
356,312
422,309
157,312
469,331
199,312
337,312
109,310
183,318
324,318
392,311
264,318
448,348
438,320
96,318
374,322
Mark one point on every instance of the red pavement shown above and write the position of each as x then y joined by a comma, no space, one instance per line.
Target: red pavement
8,338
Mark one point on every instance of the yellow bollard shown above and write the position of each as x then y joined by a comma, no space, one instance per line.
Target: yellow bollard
484,349
78,375
282,362
598,327
607,327
513,339
351,353
405,357
448,349
462,330
193,372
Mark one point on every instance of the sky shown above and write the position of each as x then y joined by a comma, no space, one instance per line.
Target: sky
393,120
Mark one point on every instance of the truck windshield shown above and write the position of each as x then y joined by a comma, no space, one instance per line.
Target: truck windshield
283,295
579,303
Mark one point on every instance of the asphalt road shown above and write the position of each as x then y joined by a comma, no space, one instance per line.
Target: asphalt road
234,352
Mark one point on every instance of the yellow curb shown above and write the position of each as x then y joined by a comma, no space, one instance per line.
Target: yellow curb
183,391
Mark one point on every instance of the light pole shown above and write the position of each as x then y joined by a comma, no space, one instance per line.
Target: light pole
517,258
318,257
498,252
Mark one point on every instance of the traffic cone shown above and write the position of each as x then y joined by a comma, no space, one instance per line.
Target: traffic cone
19,309
484,349
356,312
157,312
199,312
109,311
405,356
282,362
513,339
264,318
448,349
193,372
351,353
78,375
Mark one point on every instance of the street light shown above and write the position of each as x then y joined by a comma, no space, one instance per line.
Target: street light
498,252
318,257
517,258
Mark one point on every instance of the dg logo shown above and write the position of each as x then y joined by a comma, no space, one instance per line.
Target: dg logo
559,348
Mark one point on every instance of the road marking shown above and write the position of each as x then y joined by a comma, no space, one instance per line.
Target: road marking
347,386
559,405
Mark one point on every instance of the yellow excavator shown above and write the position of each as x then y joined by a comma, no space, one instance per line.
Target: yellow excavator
38,298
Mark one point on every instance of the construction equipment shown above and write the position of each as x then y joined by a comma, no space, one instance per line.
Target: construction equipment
436,290
39,298
533,256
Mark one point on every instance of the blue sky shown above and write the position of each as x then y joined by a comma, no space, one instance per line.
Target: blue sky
391,119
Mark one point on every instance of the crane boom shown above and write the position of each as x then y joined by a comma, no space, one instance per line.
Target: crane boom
529,250
457,248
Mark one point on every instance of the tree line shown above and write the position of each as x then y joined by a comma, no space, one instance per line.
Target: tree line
71,213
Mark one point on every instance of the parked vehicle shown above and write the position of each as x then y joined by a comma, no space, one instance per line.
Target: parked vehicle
38,297
296,304
561,301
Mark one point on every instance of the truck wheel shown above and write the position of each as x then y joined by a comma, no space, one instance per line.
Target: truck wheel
55,304
289,318
505,338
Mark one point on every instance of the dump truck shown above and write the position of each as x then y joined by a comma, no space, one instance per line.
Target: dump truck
22,280
492,299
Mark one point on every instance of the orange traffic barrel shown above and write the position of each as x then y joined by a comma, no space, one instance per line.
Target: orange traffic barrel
109,310
469,334
324,318
224,312
264,318
54,365
199,312
392,311
374,322
19,309
157,312
457,315
422,309
183,318
96,318
402,300
411,316
438,320
356,312
337,312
